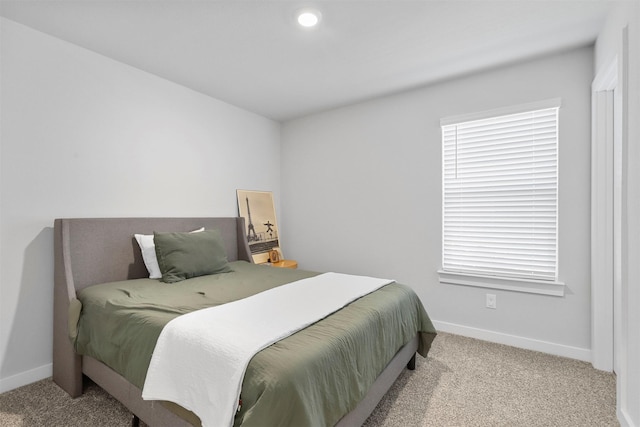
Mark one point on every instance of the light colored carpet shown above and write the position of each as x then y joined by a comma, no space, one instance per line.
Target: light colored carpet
463,382
45,404
467,382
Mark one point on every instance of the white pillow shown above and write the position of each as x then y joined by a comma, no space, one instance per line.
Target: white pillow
148,249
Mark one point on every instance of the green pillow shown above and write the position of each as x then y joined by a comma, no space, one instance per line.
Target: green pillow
185,255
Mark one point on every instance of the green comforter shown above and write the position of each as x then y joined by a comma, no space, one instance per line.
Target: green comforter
311,378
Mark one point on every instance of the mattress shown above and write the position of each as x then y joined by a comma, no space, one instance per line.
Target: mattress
311,378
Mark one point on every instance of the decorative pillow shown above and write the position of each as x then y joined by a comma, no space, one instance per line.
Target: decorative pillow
148,249
185,255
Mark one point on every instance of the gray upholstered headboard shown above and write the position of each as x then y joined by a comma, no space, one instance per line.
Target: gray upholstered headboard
99,250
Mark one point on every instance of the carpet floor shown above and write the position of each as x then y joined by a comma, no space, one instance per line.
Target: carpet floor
463,382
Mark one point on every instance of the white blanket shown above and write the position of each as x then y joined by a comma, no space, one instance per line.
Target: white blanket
200,358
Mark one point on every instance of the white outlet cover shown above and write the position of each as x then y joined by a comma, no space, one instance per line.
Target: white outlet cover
491,301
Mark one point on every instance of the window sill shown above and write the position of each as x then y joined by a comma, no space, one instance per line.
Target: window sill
542,287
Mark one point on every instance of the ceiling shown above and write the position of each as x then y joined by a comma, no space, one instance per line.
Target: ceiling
253,55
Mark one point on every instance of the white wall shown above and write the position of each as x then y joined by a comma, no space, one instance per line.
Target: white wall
609,45
361,193
85,136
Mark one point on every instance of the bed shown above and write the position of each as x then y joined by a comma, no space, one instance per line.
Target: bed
102,254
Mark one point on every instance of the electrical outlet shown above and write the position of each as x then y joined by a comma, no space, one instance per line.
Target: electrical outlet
491,301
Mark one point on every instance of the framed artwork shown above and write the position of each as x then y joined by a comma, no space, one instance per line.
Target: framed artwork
259,213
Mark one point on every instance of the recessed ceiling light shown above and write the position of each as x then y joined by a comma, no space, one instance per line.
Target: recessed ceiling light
308,18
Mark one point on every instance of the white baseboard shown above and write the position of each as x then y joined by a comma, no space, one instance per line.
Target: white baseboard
27,377
583,354
624,419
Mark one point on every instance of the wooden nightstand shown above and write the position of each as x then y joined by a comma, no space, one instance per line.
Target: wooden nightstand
285,263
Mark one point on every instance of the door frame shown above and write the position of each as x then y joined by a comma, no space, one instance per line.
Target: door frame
604,235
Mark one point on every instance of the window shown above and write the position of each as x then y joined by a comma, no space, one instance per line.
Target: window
500,199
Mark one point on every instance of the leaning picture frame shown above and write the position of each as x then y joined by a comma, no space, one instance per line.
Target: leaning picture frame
261,226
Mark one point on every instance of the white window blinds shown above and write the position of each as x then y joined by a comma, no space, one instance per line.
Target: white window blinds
500,195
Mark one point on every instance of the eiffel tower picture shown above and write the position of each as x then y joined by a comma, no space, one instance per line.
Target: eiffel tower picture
258,211
251,231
